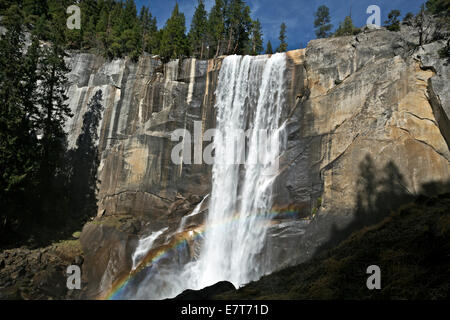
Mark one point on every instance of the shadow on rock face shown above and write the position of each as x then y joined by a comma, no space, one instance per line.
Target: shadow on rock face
379,193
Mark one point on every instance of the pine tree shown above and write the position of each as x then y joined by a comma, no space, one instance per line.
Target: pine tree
89,34
13,171
269,49
103,27
113,41
173,42
154,42
149,31
131,42
245,29
17,138
322,22
393,23
103,20
89,18
346,28
216,27
256,38
237,26
33,10
5,5
128,32
197,33
54,113
283,44
30,82
439,7
42,28
129,15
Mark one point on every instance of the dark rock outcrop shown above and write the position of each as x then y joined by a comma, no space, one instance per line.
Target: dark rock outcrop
207,293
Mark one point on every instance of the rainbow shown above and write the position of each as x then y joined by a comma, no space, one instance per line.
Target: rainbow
180,241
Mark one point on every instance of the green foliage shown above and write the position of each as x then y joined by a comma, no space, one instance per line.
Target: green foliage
441,10
17,161
53,116
283,44
32,148
256,38
35,165
439,7
346,28
174,42
393,23
319,202
115,29
229,30
317,206
150,36
238,26
216,27
123,33
199,28
269,49
322,22
33,10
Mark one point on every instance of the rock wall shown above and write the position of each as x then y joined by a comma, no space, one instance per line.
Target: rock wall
375,123
370,96
144,102
360,107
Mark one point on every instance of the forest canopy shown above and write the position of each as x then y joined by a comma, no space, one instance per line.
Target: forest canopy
116,28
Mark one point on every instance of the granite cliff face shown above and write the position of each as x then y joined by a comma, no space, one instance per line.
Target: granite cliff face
358,108
144,103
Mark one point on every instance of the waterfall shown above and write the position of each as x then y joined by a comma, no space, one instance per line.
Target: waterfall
250,93
250,99
195,212
144,246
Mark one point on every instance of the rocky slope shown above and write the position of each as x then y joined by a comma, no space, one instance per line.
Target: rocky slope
368,126
31,274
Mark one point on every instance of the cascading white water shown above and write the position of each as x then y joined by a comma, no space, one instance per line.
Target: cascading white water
193,213
144,246
249,95
249,89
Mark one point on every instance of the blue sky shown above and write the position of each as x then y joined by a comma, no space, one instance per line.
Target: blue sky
297,14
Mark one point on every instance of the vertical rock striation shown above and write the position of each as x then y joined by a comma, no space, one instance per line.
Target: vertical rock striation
144,102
